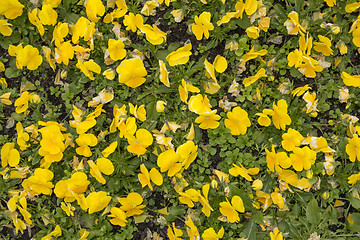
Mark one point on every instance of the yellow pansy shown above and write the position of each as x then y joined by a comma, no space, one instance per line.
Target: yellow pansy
109,73
160,106
118,217
5,98
71,188
242,171
354,178
11,9
22,137
249,6
199,104
257,185
292,24
178,14
191,229
324,46
55,233
149,8
210,234
264,119
349,80
230,210
39,182
94,10
202,25
174,233
132,72
97,201
103,165
330,3
264,23
133,22
128,128
208,120
5,28
145,176
104,96
116,49
279,114
88,68
164,74
26,57
68,209
253,32
84,141
61,30
131,204
180,56
250,80
277,161
153,34
169,161
353,148
302,158
291,139
9,155
64,52
83,28
237,121
185,88
138,112
351,7
140,142
110,149
47,15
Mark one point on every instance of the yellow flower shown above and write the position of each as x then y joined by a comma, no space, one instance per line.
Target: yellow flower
131,204
11,9
97,201
138,144
350,80
138,112
104,96
230,210
300,90
309,67
279,114
178,14
5,98
292,25
153,34
116,49
351,7
149,8
295,58
84,141
264,23
145,176
330,3
210,234
70,189
191,229
278,199
110,149
311,103
118,217
133,22
202,25
276,234
103,165
52,143
253,32
64,52
302,158
164,74
26,57
226,18
88,68
167,2
68,209
22,137
180,56
257,185
250,7
83,28
55,233
94,8
324,46
132,72
160,106
264,119
354,178
353,148
208,120
200,105
189,197
9,155
47,15
128,128
185,88
5,28
109,73
291,139
169,161
238,121
53,3
174,233
39,182
61,30
250,80
242,171
277,161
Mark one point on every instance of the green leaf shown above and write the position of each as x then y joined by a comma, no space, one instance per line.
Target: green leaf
313,213
355,227
12,72
250,230
280,11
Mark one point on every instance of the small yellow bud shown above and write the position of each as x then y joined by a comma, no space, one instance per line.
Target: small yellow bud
257,185
160,106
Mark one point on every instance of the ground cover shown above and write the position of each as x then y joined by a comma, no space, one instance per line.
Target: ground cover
166,119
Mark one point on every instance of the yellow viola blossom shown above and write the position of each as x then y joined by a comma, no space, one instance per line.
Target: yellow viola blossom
132,204
292,24
83,28
189,197
149,8
264,119
84,141
103,97
167,2
237,121
191,229
102,166
71,188
22,137
94,10
68,209
210,234
53,3
349,80
309,67
160,106
351,7
253,32
27,56
138,112
127,128
353,148
242,171
250,80
119,118
199,104
324,46
279,114
174,233
300,90
153,34
249,6
257,185
178,14
116,49
276,234
34,20
354,178
164,74
64,52
132,72
110,149
47,15
179,56
39,182
109,73
5,28
295,58
169,161
133,22
302,158
145,176
277,161
330,3
139,143
9,155
278,199
230,210
118,217
88,68
208,120
56,233
202,25
61,30
291,139
227,17
185,88
97,201
11,9
252,54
